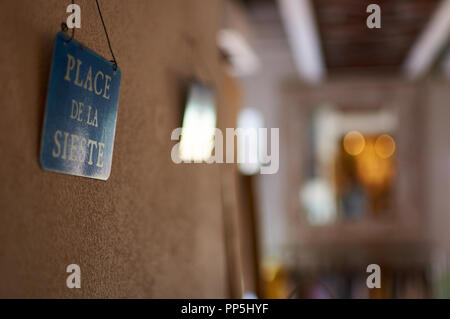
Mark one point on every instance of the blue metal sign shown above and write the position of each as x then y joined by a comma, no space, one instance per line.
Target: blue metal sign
81,111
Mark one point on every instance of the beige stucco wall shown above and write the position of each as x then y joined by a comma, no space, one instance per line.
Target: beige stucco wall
154,229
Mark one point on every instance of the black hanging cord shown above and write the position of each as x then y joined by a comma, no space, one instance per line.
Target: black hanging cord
64,28
114,61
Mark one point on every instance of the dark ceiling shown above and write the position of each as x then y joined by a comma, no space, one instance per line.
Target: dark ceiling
348,45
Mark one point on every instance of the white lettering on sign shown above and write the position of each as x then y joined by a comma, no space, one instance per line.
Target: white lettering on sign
72,147
100,85
76,113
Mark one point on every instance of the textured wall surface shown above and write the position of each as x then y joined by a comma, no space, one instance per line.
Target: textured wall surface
154,229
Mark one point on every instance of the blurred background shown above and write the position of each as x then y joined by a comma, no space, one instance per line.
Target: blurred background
363,117
364,174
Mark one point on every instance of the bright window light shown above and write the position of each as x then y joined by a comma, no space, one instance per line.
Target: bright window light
249,146
199,124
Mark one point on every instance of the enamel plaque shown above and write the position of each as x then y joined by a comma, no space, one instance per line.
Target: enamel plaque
81,111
